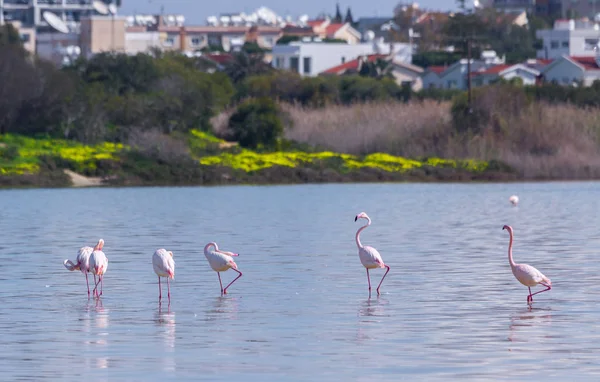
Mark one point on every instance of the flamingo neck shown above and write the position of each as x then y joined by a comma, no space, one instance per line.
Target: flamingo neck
211,244
358,243
510,256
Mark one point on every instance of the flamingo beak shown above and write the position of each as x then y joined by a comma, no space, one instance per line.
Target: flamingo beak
356,218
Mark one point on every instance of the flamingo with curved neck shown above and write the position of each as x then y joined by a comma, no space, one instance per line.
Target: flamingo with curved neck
369,256
524,273
220,261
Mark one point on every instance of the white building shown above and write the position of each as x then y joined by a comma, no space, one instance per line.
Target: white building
570,38
455,75
29,12
312,58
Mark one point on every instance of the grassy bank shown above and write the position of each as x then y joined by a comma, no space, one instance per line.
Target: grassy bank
390,141
196,158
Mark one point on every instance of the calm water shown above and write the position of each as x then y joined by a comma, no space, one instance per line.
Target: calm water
450,307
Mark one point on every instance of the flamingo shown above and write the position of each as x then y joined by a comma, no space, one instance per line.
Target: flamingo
164,266
98,265
83,264
369,256
526,274
514,200
220,261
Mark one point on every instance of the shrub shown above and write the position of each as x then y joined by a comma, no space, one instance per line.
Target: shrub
257,123
490,107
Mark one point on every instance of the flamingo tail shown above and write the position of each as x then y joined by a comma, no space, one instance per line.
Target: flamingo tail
71,266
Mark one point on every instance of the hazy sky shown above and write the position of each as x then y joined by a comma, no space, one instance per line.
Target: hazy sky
196,11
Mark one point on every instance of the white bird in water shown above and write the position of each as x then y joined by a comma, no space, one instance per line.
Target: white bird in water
98,265
514,200
369,256
525,273
220,261
164,266
82,264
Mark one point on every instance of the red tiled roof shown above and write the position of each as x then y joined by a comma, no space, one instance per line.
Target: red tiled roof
437,69
332,28
588,63
352,65
493,70
221,58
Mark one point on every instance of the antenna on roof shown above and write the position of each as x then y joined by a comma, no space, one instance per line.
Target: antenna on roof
100,7
55,22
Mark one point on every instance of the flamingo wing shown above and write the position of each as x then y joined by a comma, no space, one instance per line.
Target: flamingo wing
163,263
370,257
529,276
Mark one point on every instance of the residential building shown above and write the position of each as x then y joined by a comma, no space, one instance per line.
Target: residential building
325,29
403,73
572,71
580,8
455,75
514,5
375,27
569,37
159,32
29,12
312,58
528,73
102,34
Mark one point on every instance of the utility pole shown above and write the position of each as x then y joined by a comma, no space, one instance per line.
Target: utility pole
470,110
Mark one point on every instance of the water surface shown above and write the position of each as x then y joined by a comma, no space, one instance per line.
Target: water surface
450,307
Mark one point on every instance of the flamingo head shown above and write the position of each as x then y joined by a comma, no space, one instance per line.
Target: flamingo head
362,215
229,253
507,227
99,246
514,200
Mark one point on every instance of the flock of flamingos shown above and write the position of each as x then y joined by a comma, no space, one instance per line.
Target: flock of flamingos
94,261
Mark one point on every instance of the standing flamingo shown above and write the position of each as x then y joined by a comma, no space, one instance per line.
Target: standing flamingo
369,256
526,274
220,261
514,200
98,265
164,266
83,264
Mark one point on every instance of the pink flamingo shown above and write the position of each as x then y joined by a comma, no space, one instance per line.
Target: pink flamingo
220,261
526,274
369,256
164,266
83,264
98,266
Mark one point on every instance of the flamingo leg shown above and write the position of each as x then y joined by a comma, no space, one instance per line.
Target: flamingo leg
87,283
240,275
159,290
96,286
385,274
220,283
101,284
548,287
169,290
369,281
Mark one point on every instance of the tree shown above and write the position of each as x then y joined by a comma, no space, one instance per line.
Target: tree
243,65
338,14
377,69
9,36
349,18
257,123
462,5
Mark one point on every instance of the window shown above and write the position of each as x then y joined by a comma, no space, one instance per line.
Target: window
279,62
294,64
197,40
25,37
269,40
590,43
343,60
307,63
169,41
553,44
565,44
